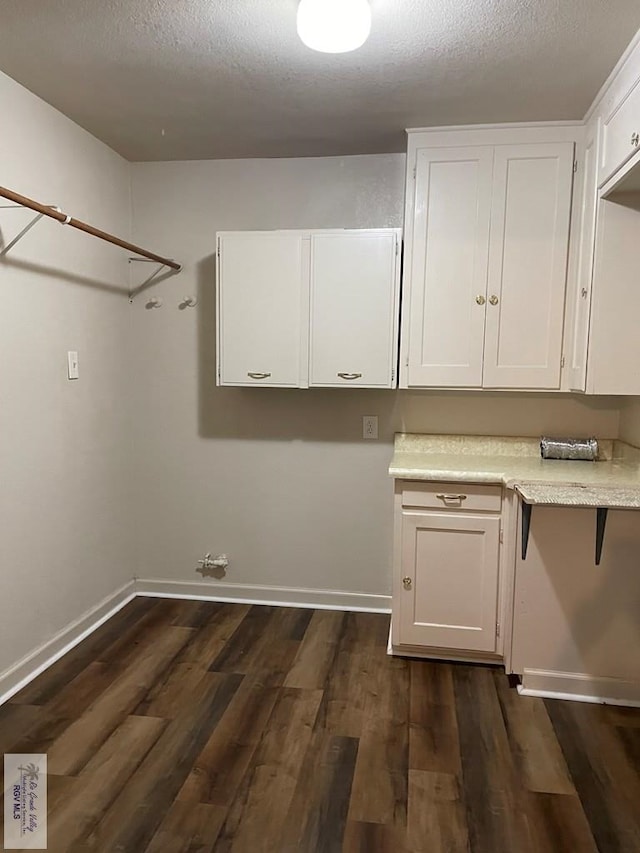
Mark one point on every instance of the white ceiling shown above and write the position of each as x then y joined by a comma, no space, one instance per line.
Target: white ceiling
229,78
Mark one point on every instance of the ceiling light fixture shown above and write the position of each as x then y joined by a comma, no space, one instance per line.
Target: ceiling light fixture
334,26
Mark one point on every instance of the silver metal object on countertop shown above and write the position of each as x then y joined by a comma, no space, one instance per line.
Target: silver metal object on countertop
585,449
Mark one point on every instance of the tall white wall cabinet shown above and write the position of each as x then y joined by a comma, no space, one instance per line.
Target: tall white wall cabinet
304,309
487,229
606,325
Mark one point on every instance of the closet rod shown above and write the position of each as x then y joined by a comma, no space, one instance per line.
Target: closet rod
88,229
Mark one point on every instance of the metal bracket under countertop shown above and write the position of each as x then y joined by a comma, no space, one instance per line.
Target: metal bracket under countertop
602,499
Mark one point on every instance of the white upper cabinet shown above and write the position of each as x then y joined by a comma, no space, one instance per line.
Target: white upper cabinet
486,257
531,210
614,339
261,306
620,133
607,297
300,308
354,308
448,273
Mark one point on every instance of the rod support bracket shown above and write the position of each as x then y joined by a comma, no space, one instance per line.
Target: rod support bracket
54,212
4,250
526,527
156,275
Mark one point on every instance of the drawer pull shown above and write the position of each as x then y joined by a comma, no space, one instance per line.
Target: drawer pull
452,498
406,583
258,375
635,139
350,376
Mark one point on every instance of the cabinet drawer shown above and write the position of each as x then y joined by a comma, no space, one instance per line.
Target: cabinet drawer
621,134
453,496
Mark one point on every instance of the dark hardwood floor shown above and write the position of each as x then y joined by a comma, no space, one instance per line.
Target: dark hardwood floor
184,727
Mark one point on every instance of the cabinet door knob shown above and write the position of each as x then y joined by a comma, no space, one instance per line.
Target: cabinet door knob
350,375
494,300
584,292
635,139
258,375
480,299
406,583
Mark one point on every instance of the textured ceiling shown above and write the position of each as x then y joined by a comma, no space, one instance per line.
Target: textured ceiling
229,78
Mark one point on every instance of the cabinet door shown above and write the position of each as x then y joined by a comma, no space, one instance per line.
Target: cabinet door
531,205
262,297
448,274
621,134
581,296
354,307
448,592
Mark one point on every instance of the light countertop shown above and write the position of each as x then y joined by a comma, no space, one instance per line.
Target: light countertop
579,496
511,462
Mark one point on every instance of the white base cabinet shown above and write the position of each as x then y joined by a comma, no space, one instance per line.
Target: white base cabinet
303,309
447,568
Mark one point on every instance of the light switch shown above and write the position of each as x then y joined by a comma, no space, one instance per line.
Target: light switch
73,366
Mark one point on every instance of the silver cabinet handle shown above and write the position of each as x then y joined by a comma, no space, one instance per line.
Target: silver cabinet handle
584,292
493,300
451,498
258,375
635,139
480,299
350,375
406,583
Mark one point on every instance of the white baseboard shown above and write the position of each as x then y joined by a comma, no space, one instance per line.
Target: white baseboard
19,675
578,687
279,596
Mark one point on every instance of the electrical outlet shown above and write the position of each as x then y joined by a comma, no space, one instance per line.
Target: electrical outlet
370,426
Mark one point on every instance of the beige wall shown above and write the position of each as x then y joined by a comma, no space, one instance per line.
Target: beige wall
280,480
630,421
64,446
590,625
